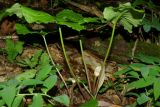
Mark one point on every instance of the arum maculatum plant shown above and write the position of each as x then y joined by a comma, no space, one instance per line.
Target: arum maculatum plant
128,17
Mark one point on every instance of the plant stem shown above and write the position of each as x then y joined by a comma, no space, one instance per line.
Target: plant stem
110,44
85,67
102,73
112,36
54,63
68,64
65,55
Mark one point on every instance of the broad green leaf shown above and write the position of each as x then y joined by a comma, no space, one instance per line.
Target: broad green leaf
30,89
70,19
142,99
34,60
63,99
28,74
12,82
17,101
145,71
2,102
156,23
73,25
15,9
89,20
123,71
13,49
146,28
30,15
90,103
130,17
31,62
43,72
22,29
31,82
49,105
138,2
154,71
3,14
49,83
19,47
44,60
148,59
8,94
69,15
148,24
110,13
141,83
133,74
137,66
37,101
156,88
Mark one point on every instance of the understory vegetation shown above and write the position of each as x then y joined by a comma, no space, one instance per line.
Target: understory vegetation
51,53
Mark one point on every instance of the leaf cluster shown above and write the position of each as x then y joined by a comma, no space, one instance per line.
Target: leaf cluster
34,82
143,76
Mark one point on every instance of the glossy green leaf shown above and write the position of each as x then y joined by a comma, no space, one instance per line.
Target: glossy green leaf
17,101
8,94
28,74
90,103
49,83
156,88
31,82
63,99
37,101
43,72
141,83
130,17
142,99
30,15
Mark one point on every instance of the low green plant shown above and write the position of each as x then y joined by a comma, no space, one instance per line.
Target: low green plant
142,80
128,17
13,49
33,83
